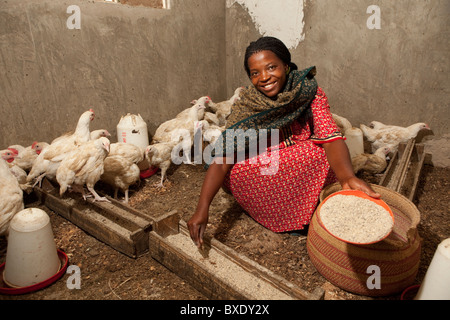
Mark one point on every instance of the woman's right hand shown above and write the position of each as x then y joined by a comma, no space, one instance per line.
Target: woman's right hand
214,179
197,226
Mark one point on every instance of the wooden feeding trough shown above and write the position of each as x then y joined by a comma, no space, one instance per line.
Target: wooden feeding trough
218,272
116,224
403,172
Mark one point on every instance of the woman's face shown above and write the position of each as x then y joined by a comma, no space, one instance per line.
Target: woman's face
267,73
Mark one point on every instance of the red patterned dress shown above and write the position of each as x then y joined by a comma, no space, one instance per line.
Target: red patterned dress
286,200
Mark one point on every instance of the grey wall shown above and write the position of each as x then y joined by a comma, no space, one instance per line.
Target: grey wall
398,74
154,61
123,59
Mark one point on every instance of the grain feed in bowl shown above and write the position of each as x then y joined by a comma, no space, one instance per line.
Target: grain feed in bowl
345,264
355,219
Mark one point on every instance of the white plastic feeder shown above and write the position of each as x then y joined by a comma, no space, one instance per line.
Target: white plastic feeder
354,141
31,255
133,129
436,284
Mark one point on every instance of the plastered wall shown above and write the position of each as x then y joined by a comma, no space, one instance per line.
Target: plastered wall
390,65
153,62
122,59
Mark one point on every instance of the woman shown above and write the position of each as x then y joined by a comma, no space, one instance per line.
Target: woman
311,151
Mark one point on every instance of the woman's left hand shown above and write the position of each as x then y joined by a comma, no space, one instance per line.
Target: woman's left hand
354,183
339,159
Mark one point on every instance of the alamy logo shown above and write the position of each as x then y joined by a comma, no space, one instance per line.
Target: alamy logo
74,21
374,281
74,280
374,21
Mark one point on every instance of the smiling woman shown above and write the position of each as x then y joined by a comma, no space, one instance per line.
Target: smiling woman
311,150
268,73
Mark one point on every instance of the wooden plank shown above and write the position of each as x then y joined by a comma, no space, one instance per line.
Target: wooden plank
395,171
420,149
403,155
126,207
167,224
403,172
105,230
140,241
412,175
389,172
195,272
123,230
405,164
187,268
262,272
131,233
122,214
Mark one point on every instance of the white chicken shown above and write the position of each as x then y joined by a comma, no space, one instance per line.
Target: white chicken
160,155
205,100
16,148
11,197
95,134
127,150
9,155
120,173
211,118
378,125
121,166
20,174
40,146
26,156
223,109
80,130
84,167
164,132
343,123
50,158
211,132
175,132
373,163
391,136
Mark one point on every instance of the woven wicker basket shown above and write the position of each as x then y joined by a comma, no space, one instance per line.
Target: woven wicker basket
347,265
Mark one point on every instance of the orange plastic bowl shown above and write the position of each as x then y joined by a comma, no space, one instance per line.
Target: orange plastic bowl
363,195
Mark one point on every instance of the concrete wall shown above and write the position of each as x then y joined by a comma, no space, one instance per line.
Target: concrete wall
122,59
398,74
154,61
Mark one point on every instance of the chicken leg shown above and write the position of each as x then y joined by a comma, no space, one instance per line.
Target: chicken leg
38,180
161,183
126,196
96,196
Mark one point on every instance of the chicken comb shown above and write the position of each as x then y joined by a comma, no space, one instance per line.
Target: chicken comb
91,110
34,144
13,150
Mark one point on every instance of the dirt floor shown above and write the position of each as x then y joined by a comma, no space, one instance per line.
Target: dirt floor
107,274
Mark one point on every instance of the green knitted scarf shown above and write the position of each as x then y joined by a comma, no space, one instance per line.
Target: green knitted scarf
256,111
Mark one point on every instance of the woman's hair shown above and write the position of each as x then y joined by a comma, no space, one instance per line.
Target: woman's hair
272,44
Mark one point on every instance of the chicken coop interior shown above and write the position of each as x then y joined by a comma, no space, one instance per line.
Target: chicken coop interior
117,72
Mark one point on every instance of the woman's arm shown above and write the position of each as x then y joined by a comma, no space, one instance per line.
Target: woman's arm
215,176
339,159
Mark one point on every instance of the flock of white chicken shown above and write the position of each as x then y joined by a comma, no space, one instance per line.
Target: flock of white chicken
83,157
384,140
204,116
